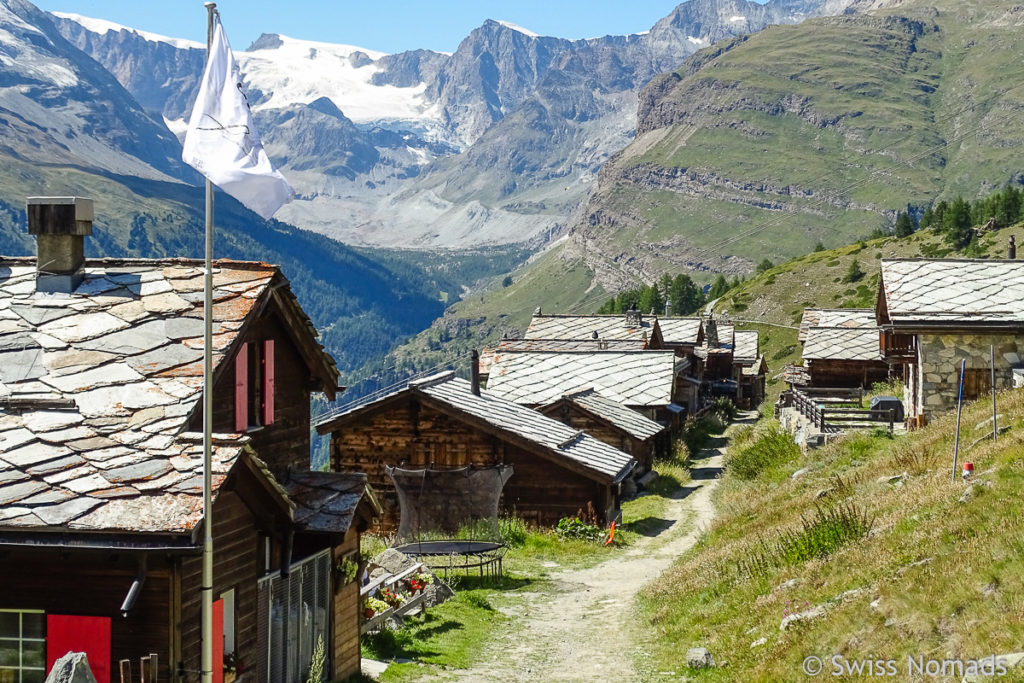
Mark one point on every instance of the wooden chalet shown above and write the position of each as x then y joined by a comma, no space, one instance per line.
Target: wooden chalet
612,423
101,467
445,423
749,368
935,313
646,381
682,335
716,353
841,348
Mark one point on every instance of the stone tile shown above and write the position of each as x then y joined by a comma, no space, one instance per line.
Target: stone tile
34,454
138,472
106,375
51,420
84,326
12,493
61,514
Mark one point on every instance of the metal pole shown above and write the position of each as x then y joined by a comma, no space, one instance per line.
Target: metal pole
959,409
992,363
206,667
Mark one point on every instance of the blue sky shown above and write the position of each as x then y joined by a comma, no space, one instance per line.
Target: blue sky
385,25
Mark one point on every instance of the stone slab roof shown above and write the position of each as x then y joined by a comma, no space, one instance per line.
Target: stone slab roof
746,346
583,327
680,330
835,317
842,343
639,379
97,386
487,355
575,449
951,292
628,420
327,501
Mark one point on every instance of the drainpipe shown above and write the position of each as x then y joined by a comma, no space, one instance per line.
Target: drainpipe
475,360
136,587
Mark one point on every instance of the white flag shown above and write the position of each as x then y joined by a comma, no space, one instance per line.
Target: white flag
222,142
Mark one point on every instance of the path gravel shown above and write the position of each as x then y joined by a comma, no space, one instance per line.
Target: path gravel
580,628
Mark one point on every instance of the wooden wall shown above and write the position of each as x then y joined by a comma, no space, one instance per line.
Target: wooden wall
237,563
285,443
95,583
410,434
345,654
846,374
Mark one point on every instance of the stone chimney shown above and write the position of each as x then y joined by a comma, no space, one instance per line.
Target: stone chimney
1011,253
60,225
634,318
711,332
668,307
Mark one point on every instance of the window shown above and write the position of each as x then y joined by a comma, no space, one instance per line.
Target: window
254,385
22,646
977,383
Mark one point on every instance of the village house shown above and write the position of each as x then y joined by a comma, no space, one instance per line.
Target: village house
749,368
934,314
611,422
579,345
716,353
682,335
445,423
841,348
101,467
646,381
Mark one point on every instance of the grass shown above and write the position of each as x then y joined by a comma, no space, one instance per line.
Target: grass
898,567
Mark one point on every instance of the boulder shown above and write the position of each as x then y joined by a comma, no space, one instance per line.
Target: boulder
814,613
699,658
71,668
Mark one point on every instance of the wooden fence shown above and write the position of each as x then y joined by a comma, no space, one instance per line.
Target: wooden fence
828,409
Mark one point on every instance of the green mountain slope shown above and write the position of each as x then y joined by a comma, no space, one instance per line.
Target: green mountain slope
766,144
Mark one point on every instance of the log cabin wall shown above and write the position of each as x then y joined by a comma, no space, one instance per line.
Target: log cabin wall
238,559
344,654
542,493
95,583
285,443
409,433
846,374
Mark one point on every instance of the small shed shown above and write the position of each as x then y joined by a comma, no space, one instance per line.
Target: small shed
442,423
844,357
612,423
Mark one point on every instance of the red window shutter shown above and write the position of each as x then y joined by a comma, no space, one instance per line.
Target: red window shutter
218,641
242,389
268,382
90,635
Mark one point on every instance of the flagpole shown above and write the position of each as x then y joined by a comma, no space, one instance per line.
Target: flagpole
206,675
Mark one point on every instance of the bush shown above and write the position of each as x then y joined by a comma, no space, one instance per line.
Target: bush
724,408
513,531
771,448
574,528
387,643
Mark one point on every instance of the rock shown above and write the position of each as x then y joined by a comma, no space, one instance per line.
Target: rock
759,642
848,595
786,585
876,604
968,494
989,588
988,423
893,480
890,623
391,561
815,612
800,472
71,668
436,593
628,488
699,658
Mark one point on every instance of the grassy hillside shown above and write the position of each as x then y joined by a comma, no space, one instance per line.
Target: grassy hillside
867,541
762,146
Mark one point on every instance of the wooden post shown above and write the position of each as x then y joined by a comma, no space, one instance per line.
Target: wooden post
992,363
126,671
892,419
144,666
959,410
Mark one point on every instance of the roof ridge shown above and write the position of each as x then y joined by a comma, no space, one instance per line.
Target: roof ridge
432,380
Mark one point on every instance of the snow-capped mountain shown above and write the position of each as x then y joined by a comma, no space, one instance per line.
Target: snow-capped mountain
494,143
59,106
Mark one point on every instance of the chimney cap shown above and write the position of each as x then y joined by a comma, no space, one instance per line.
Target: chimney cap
60,215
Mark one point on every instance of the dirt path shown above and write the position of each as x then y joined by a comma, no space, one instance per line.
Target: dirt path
580,627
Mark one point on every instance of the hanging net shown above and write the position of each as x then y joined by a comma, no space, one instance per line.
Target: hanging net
435,503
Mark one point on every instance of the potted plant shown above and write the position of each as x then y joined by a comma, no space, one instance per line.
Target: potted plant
373,606
391,597
231,667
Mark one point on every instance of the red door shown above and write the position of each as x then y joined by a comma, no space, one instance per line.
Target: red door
90,635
